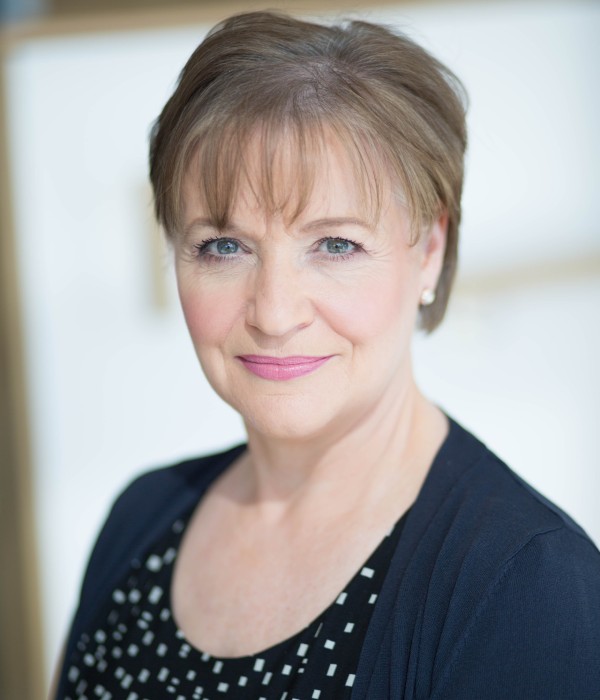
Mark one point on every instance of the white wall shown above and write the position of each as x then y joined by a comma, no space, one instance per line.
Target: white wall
114,385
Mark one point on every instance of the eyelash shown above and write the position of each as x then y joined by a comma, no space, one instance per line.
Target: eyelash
201,249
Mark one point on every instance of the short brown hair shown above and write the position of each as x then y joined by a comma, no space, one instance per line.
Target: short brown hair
396,110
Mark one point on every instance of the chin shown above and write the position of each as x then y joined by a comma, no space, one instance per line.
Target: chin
287,418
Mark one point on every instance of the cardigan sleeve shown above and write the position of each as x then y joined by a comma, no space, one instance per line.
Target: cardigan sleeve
535,635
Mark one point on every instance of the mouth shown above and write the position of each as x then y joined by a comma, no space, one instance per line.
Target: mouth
282,368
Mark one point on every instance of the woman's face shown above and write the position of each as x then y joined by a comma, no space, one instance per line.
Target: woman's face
304,327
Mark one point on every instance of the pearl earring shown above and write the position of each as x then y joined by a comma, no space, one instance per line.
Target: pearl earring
427,297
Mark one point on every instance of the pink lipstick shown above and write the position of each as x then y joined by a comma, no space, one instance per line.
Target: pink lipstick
282,368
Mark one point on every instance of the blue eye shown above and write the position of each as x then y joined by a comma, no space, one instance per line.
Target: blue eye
225,246
218,248
338,247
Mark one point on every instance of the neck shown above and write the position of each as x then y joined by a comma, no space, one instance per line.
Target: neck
384,453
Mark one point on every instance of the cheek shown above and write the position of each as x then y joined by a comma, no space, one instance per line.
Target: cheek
375,307
209,314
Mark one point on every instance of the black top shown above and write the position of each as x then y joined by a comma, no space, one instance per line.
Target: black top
136,650
492,592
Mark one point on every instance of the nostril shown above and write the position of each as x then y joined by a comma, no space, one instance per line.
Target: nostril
279,305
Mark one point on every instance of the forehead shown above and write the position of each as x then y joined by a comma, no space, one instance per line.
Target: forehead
296,183
287,173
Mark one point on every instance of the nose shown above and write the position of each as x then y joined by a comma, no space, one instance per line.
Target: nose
278,301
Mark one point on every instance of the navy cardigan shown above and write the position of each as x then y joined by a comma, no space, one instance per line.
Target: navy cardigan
492,593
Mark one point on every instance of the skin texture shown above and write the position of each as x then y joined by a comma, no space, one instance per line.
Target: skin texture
283,294
335,455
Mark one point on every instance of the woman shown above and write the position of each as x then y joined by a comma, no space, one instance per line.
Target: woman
362,544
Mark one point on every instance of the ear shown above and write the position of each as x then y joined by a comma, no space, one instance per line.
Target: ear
434,247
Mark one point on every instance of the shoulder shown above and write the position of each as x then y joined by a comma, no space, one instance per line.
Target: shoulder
187,476
156,498
152,501
140,514
473,491
485,522
518,581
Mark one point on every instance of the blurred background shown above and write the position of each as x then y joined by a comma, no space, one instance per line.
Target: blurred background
98,379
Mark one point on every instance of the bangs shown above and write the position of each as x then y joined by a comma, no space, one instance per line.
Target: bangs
278,161
263,98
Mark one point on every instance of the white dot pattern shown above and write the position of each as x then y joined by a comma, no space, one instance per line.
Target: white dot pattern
136,652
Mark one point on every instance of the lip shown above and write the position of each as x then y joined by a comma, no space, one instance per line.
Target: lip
282,368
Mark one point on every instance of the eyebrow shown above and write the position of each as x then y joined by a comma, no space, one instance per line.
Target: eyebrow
336,221
317,224
207,223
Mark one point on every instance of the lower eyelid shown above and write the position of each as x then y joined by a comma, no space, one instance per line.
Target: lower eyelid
342,257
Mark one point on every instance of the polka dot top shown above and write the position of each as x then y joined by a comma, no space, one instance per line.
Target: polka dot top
136,652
